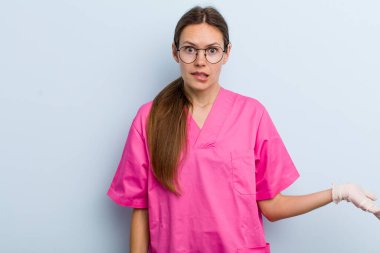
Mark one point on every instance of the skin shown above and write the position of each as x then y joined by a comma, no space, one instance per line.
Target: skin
283,206
139,236
203,95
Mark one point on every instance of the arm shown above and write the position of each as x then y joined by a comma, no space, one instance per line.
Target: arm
281,206
139,237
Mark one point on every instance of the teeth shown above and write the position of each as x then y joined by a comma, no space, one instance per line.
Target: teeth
200,74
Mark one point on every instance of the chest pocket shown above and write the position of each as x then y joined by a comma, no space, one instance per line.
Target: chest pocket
243,171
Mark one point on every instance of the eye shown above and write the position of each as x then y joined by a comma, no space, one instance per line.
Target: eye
213,50
189,49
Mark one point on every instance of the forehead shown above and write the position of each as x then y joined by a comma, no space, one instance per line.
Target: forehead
201,34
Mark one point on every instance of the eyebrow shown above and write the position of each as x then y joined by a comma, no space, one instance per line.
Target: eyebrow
191,43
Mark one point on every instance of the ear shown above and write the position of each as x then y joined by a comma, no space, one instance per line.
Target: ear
175,53
227,53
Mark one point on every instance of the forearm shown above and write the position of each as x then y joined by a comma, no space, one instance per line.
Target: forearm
284,206
139,236
295,205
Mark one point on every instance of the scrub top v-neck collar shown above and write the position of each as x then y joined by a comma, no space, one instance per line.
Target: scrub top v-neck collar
205,137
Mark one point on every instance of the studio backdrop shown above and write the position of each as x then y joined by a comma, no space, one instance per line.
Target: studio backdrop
74,73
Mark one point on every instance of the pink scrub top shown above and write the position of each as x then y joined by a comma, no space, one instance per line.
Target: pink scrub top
234,160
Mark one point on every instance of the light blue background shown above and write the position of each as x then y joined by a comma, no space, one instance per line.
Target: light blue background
73,74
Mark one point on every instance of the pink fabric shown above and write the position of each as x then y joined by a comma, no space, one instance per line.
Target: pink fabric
237,158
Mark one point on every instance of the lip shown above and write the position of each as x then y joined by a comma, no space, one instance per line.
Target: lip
199,73
200,76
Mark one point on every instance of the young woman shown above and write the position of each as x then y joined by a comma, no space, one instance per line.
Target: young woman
202,164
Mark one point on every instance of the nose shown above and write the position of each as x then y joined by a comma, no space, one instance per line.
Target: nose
201,57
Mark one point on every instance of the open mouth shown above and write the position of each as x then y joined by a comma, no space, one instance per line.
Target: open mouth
201,76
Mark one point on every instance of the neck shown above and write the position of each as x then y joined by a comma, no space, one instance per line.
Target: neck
203,98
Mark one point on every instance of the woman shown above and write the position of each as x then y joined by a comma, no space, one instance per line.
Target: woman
201,163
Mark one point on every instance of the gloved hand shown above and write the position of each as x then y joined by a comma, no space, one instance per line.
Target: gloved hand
360,197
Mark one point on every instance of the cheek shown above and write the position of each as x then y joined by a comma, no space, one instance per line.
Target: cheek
216,70
184,69
185,72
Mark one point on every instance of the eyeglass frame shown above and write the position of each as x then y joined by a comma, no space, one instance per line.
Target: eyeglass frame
196,55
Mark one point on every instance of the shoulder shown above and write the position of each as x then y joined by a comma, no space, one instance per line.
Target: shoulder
144,109
141,116
246,103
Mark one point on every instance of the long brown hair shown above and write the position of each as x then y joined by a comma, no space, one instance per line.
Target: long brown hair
167,120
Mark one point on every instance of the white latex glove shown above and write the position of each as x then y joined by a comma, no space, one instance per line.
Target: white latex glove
360,197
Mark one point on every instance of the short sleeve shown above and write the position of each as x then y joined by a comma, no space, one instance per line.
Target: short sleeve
275,169
129,184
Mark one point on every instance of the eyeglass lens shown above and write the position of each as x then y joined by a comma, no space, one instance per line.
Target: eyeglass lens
188,54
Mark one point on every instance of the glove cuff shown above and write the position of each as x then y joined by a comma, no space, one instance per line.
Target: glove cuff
336,193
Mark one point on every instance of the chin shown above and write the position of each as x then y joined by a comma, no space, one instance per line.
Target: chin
199,85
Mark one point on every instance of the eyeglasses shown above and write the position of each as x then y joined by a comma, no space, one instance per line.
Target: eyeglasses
188,54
